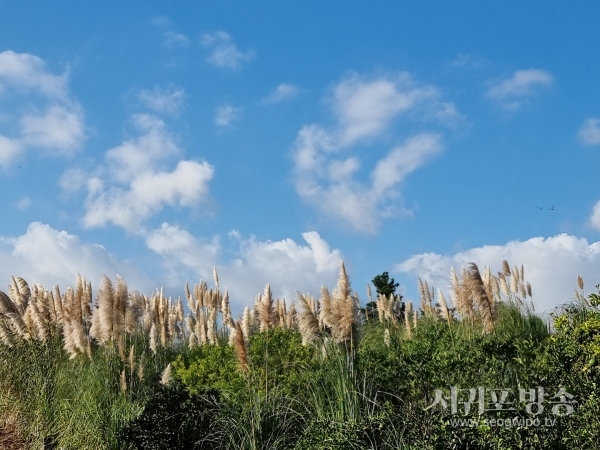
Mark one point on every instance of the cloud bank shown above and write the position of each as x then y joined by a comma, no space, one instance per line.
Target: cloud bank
287,265
49,256
552,265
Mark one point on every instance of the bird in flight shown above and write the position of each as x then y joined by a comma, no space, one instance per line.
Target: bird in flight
539,207
551,209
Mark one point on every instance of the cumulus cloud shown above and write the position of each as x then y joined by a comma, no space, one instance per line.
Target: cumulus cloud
49,256
595,217
179,248
129,187
59,128
223,51
512,92
552,265
28,72
282,93
43,114
225,115
287,265
167,100
148,193
589,133
365,109
141,153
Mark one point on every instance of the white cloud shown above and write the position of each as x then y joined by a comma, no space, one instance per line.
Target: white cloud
286,265
335,193
595,217
225,115
72,180
130,186
180,248
589,133
551,265
172,40
9,150
47,117
141,153
163,100
59,128
511,92
28,72
283,92
402,160
364,109
24,203
48,256
148,193
223,51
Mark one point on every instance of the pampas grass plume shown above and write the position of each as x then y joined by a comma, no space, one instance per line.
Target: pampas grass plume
165,376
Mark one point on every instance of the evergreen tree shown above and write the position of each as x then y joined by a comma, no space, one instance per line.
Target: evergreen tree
383,284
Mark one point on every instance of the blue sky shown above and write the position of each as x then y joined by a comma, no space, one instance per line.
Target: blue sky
272,139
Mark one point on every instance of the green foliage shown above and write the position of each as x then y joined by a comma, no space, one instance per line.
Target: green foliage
69,403
323,396
209,367
278,358
175,419
384,285
261,421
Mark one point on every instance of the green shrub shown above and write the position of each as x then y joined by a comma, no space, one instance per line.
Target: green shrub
209,367
175,419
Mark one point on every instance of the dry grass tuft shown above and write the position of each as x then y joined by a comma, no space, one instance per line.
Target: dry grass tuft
308,318
239,345
408,315
485,305
165,377
265,310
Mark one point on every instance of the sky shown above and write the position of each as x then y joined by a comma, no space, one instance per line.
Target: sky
271,140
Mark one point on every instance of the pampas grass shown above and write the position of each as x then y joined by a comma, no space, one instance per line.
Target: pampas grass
264,309
165,376
308,321
408,315
239,345
344,310
121,343
485,304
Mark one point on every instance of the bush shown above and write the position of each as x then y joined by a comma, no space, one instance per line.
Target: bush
209,367
175,419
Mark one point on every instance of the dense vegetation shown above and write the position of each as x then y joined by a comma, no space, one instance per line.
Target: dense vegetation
128,371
